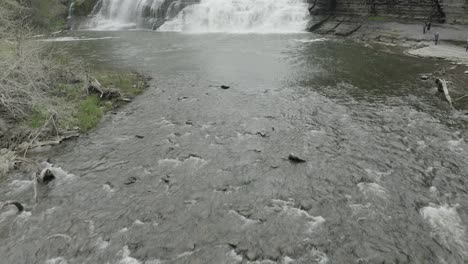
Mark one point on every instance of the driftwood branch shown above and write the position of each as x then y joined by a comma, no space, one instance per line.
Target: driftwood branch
459,98
442,88
95,87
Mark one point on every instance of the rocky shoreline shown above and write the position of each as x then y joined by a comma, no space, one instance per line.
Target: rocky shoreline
407,37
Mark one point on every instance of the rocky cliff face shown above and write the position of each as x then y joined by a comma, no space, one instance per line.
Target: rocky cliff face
451,11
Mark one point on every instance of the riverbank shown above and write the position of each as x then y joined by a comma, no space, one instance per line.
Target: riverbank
408,37
65,98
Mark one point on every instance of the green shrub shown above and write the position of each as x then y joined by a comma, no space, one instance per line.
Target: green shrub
89,113
38,118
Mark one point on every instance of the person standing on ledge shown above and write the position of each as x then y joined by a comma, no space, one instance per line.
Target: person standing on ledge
436,38
424,28
429,25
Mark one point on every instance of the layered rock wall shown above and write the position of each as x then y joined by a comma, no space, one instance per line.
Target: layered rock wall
452,11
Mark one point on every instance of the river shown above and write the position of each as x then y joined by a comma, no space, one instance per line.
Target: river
209,180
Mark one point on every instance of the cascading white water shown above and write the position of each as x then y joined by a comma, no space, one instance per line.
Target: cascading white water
121,14
70,10
241,16
234,16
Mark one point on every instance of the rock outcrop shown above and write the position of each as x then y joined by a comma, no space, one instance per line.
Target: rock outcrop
451,11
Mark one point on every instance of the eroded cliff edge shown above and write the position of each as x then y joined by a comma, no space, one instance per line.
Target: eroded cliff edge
385,20
450,11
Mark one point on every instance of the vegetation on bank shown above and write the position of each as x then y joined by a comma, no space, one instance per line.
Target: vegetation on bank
44,92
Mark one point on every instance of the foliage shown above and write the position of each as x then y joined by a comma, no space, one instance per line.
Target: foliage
48,14
39,83
84,7
130,84
89,113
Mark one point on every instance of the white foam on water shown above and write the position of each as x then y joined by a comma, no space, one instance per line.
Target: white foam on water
59,173
18,186
371,190
421,144
184,254
288,260
447,227
241,16
310,40
193,162
233,255
138,223
170,162
59,260
69,39
377,175
126,259
320,256
108,188
154,261
455,145
101,244
287,207
358,209
434,191
244,219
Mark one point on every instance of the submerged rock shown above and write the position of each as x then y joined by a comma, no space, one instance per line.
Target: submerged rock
19,206
130,180
424,77
295,159
225,87
46,177
263,133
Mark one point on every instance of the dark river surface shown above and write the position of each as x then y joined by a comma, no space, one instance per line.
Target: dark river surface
386,177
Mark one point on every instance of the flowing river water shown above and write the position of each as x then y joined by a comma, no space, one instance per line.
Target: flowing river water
210,181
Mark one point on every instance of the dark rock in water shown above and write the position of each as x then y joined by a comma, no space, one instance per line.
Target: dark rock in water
48,177
188,122
225,87
424,77
139,136
130,180
19,206
45,176
263,133
295,159
166,179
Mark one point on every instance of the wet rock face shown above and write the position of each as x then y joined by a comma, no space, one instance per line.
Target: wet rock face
453,11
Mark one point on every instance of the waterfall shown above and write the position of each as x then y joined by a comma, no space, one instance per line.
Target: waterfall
123,14
242,16
70,10
199,16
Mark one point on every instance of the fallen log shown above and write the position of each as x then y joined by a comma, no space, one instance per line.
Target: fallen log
442,88
38,144
104,93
